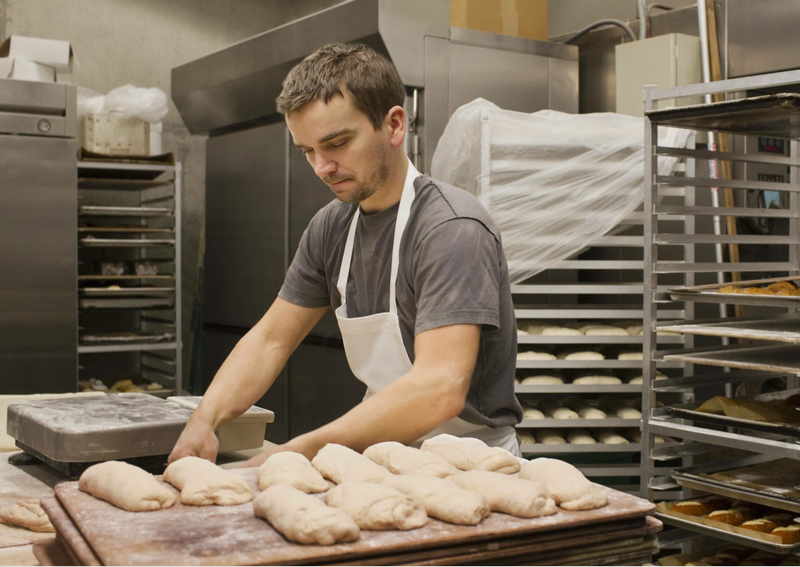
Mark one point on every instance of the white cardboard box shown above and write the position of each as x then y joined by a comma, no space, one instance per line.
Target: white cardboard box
25,70
113,135
51,52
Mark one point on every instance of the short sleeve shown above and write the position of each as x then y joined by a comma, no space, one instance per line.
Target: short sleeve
305,283
456,276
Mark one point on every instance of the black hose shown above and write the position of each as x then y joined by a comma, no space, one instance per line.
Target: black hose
597,24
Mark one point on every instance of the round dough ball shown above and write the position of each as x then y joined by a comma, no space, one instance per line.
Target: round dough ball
531,413
580,437
542,380
597,380
605,330
560,331
550,437
535,355
630,355
526,437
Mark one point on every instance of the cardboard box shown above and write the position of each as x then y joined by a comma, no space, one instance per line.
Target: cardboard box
113,135
51,52
24,70
520,18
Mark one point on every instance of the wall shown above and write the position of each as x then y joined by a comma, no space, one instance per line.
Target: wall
564,16
139,42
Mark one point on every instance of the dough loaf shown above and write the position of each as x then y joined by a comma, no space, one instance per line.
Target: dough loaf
560,331
578,404
566,484
399,459
531,413
341,464
508,494
615,406
293,469
580,437
630,356
549,437
611,438
526,437
606,330
550,407
597,380
304,518
468,453
376,506
202,483
542,381
520,332
535,355
581,355
27,514
441,498
126,486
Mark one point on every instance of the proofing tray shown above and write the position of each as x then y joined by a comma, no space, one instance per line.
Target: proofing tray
709,294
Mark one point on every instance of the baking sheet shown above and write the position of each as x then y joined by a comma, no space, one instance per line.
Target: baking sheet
783,359
125,303
125,211
125,291
125,337
125,242
709,294
781,330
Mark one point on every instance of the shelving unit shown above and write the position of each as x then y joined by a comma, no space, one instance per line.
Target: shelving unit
129,273
729,356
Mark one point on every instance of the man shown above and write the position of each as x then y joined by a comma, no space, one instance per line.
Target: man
413,268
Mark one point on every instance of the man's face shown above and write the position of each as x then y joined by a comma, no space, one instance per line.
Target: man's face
342,146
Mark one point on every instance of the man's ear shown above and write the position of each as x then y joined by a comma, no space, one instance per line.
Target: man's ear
395,122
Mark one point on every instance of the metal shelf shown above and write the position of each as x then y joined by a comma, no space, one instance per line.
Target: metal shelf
548,423
579,389
87,349
568,449
591,340
780,330
588,364
784,359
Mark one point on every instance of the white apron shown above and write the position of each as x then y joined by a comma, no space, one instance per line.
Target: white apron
374,344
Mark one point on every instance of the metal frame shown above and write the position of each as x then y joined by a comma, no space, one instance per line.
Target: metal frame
696,437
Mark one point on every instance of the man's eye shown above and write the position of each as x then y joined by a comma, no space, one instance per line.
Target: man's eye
306,152
339,144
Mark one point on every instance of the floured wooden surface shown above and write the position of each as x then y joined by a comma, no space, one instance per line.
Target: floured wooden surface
17,484
233,535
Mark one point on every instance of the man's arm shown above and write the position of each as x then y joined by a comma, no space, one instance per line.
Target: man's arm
431,393
246,374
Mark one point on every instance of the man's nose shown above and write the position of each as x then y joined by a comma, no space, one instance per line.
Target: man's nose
323,166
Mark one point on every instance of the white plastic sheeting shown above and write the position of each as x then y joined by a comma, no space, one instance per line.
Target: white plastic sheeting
553,182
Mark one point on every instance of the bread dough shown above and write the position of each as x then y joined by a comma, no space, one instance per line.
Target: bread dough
542,380
27,514
520,332
611,438
580,437
293,469
578,404
597,380
635,330
468,453
535,355
526,437
202,483
126,486
617,407
441,498
639,379
304,518
375,506
507,494
551,408
341,464
531,413
581,355
399,459
630,356
605,330
566,484
550,437
560,331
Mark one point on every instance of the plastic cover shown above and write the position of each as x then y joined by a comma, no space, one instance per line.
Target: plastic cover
553,182
149,105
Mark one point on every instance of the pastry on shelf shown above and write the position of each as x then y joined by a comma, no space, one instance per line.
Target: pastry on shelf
730,516
597,380
614,406
610,437
550,437
539,353
729,289
579,354
757,291
758,525
788,534
580,437
551,379
779,517
529,412
691,508
551,408
782,286
577,404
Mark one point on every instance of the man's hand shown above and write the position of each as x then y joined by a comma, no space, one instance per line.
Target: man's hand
197,440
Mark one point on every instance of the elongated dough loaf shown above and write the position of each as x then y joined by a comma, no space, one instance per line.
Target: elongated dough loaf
597,380
526,437
441,498
28,514
560,331
617,407
606,330
468,453
126,486
580,437
542,380
508,494
399,459
304,518
531,413
566,484
376,506
293,469
535,355
611,438
202,483
551,408
341,464
549,437
586,411
581,355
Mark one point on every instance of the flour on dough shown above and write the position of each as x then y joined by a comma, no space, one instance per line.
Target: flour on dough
566,484
441,498
399,459
597,380
27,514
303,518
293,469
341,464
508,494
468,453
202,483
126,486
376,506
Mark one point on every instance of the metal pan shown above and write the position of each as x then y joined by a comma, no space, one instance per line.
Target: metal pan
709,294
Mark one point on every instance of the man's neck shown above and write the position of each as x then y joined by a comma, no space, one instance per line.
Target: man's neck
388,195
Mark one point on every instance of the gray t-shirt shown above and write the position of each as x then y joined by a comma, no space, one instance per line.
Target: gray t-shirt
452,271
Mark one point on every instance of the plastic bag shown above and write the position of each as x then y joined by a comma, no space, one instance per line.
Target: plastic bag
553,182
149,105
89,102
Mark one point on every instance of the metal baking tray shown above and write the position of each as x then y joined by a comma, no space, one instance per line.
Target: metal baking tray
126,291
774,482
125,211
776,115
124,337
783,359
568,448
126,242
708,294
125,302
689,411
781,330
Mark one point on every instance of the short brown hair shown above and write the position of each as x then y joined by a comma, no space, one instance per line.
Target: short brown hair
372,80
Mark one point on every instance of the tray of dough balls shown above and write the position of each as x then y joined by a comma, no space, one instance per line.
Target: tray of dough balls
546,381
578,411
729,555
774,412
530,331
748,523
775,292
452,493
578,356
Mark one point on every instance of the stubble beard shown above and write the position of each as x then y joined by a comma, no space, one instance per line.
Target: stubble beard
366,189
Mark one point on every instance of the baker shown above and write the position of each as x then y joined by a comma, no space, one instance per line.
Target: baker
413,268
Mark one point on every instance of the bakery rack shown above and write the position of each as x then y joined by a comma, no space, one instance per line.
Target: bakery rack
129,272
735,350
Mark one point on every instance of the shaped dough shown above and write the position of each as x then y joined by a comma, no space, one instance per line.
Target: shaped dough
304,518
580,437
526,437
550,437
639,379
468,453
605,330
611,438
507,494
542,380
126,486
27,514
581,355
399,459
202,483
597,380
630,356
619,408
293,469
376,506
550,407
560,331
341,464
520,332
441,498
566,484
531,413
578,404
535,355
